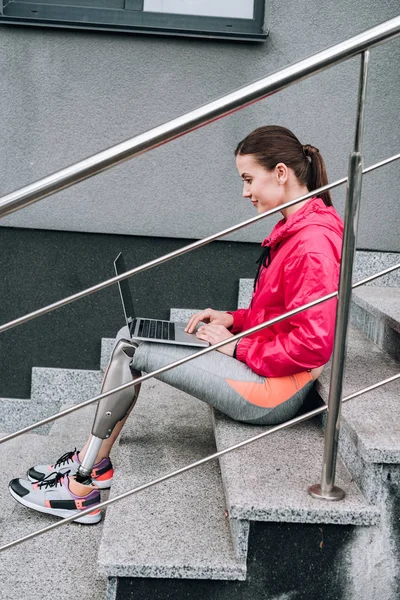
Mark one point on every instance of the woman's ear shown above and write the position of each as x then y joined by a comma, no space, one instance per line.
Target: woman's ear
281,172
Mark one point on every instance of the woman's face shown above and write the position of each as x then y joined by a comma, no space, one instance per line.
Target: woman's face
265,189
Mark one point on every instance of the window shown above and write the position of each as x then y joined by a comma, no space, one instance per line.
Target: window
236,9
229,19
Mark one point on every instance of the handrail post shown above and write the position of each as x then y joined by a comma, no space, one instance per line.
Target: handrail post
327,490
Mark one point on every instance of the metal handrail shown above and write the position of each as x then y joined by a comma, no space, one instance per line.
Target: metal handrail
186,359
184,250
167,257
199,117
274,429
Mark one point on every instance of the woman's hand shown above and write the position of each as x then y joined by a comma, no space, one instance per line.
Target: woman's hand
209,315
213,334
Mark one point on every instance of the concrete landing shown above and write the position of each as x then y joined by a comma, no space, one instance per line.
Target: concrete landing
178,528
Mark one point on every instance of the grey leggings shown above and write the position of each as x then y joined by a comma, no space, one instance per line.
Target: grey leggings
210,378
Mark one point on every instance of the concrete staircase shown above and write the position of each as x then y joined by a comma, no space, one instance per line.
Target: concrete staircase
244,527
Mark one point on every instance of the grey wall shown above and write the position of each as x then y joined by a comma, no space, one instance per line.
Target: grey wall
66,95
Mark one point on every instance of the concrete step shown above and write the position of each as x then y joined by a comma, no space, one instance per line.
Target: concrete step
65,558
182,315
369,444
268,480
271,493
50,388
370,433
75,427
53,388
177,529
376,312
245,292
168,543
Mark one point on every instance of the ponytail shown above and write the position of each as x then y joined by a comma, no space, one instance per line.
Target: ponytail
316,176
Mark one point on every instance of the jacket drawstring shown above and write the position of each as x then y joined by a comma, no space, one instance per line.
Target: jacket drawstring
263,261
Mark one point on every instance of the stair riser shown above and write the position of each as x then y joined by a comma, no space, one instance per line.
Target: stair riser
52,387
370,477
17,414
107,345
377,329
240,530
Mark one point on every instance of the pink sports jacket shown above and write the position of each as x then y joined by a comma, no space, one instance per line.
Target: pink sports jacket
304,261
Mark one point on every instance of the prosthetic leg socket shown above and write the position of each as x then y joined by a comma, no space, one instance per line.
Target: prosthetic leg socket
113,408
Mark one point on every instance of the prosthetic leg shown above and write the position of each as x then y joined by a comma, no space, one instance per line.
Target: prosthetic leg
113,408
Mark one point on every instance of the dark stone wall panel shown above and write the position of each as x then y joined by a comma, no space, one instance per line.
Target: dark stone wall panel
286,561
40,267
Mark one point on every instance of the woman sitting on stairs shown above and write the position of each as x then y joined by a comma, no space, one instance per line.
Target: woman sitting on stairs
262,379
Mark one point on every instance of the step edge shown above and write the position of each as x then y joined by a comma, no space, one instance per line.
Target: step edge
62,369
184,572
8,399
368,516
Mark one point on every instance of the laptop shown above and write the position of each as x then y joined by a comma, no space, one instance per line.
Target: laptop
151,330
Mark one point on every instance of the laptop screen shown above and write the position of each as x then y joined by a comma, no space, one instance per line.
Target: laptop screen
126,297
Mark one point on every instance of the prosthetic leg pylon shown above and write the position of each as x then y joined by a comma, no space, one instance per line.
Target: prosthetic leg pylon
113,408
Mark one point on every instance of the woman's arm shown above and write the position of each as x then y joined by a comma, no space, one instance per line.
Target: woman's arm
307,342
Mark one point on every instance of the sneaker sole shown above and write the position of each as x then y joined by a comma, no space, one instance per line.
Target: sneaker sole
86,520
102,485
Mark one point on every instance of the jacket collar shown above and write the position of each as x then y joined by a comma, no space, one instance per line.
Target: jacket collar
314,212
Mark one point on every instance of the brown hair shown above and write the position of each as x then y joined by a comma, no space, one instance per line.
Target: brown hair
272,144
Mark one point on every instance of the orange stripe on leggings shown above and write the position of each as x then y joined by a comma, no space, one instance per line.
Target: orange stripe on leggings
273,391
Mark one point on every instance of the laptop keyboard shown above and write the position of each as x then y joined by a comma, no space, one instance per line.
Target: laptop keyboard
153,329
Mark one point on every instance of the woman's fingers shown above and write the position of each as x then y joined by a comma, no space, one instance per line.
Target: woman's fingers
210,316
202,335
216,328
204,315
193,321
213,333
